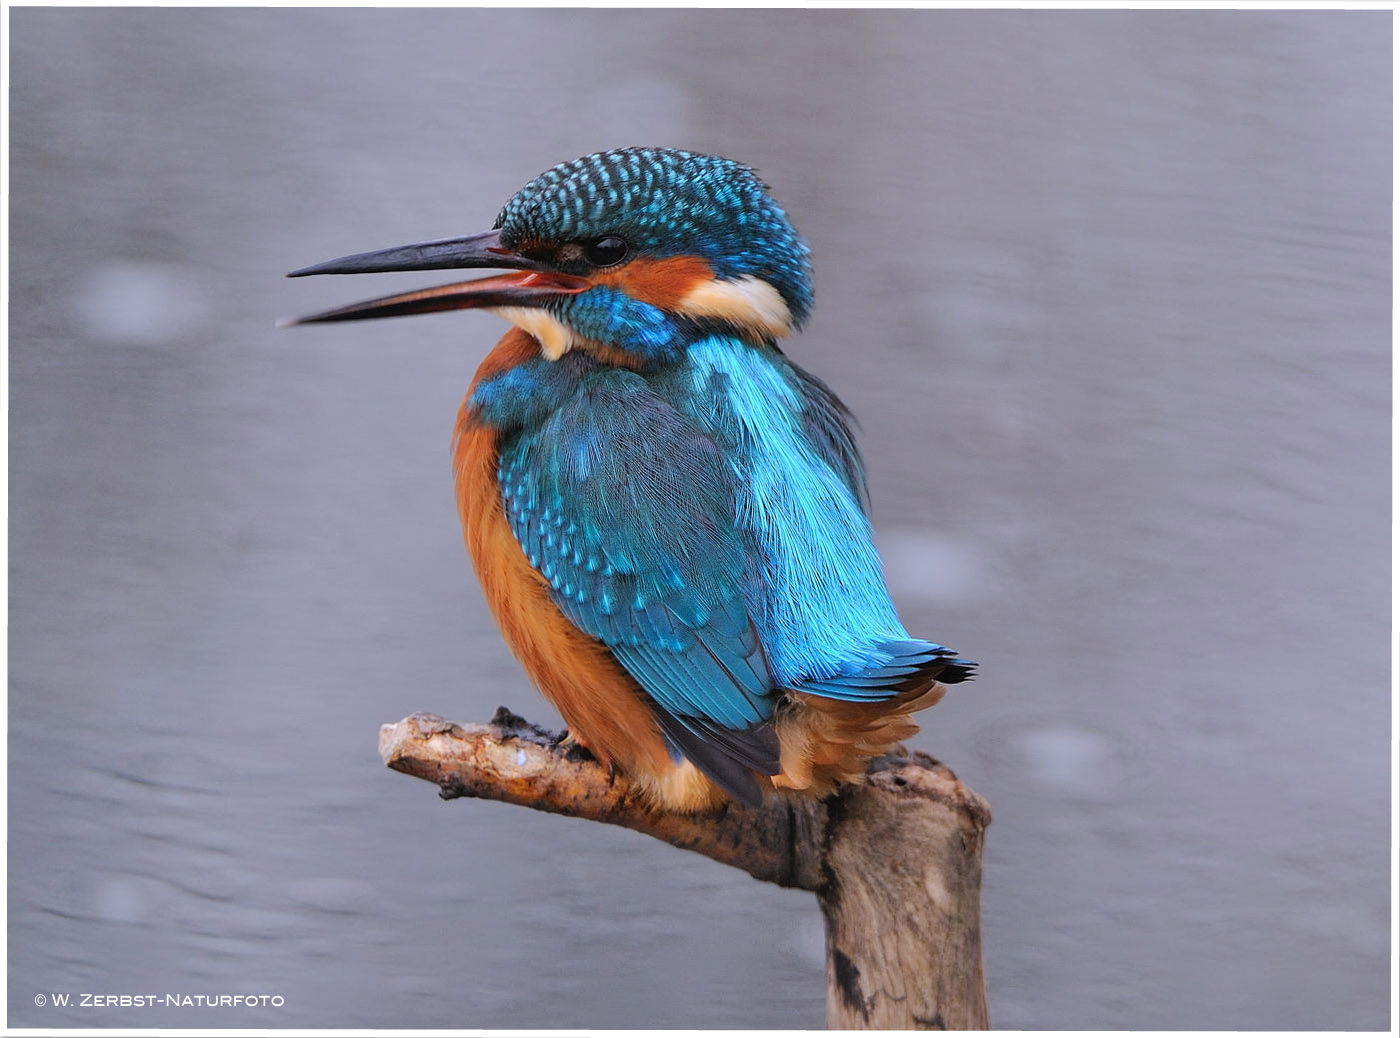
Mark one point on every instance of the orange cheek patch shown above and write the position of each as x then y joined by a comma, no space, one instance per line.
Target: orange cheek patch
660,282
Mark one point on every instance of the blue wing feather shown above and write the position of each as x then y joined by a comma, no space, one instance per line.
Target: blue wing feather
826,423
652,565
826,619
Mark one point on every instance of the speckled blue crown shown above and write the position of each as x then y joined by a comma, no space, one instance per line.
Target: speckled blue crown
667,202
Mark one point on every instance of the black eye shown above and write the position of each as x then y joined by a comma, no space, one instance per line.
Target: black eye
606,252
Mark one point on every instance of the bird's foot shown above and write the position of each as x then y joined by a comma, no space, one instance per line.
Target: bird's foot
566,739
573,747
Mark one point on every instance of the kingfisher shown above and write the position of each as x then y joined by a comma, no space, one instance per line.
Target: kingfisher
667,515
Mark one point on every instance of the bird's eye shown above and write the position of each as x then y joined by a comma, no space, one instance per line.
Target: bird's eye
606,252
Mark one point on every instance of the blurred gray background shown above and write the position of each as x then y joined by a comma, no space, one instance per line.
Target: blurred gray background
1110,295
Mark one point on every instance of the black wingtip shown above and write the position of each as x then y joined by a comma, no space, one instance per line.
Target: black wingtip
955,670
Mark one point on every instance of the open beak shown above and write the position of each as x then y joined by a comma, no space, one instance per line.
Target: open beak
535,285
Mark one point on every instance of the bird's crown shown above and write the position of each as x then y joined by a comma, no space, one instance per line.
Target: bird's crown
664,202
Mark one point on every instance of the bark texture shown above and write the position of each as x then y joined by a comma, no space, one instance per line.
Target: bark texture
895,862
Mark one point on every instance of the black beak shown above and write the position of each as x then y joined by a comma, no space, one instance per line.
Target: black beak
475,250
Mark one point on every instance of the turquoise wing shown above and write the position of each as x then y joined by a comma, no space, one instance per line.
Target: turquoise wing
625,506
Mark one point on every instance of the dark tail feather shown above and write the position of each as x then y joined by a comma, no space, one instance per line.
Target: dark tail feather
957,670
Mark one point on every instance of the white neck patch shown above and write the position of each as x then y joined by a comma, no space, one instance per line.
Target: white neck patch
555,337
747,301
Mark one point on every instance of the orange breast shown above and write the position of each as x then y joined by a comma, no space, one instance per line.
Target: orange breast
598,699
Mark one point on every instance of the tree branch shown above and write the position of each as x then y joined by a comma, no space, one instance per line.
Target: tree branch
895,862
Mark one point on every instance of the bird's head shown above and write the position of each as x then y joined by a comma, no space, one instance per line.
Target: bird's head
639,250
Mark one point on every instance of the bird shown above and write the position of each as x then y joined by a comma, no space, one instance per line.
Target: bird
669,518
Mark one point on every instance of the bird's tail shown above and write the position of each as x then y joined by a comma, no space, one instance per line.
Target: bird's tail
910,663
829,730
